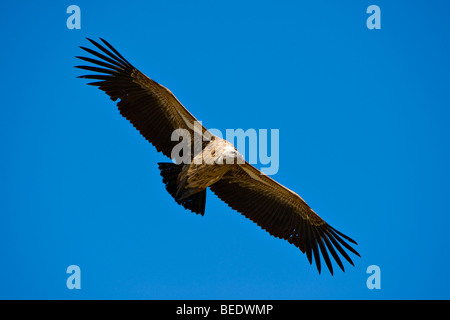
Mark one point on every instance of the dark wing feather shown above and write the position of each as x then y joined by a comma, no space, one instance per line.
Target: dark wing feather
282,213
150,107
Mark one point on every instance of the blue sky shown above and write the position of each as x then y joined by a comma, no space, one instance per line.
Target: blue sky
363,125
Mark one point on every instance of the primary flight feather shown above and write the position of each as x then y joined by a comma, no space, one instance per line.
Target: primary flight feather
156,113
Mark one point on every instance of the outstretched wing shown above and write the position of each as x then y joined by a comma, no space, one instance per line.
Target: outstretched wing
282,213
151,108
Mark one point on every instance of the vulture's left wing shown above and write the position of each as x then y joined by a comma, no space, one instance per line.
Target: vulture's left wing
283,213
151,108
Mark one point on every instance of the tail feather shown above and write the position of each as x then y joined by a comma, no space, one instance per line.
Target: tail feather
170,172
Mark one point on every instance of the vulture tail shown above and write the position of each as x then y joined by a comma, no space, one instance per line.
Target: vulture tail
170,172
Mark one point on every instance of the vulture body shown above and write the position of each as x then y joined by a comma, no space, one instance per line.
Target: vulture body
155,112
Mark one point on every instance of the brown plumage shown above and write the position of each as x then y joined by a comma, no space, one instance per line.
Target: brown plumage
156,113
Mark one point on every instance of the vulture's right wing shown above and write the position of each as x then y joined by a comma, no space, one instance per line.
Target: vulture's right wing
283,213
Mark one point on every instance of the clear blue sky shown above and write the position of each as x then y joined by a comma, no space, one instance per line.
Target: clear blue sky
364,139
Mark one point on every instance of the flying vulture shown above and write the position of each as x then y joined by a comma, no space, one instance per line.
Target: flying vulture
156,113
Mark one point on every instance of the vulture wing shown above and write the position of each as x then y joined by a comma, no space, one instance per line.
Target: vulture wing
151,108
282,213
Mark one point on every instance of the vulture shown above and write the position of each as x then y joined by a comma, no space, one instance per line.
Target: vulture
156,113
